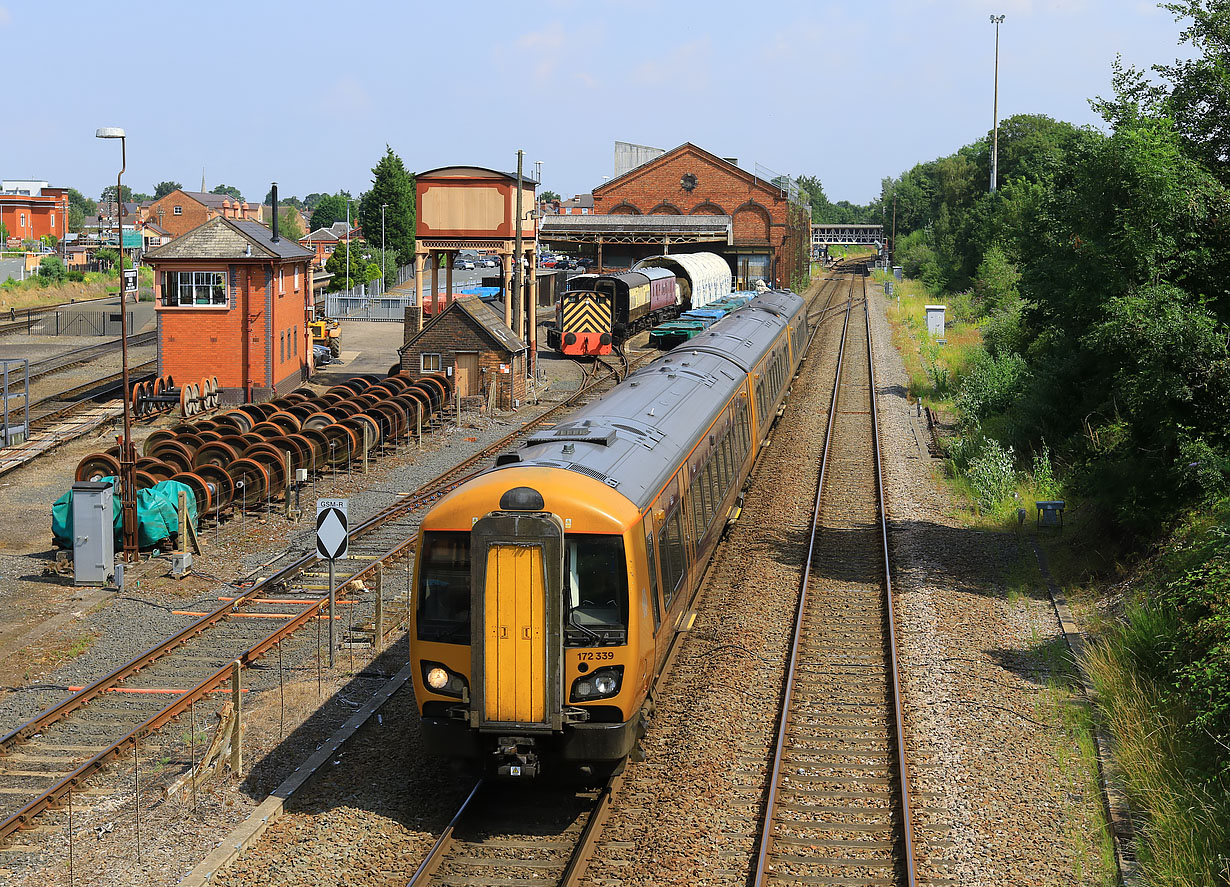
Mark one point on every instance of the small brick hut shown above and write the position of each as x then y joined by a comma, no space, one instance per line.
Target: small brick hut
469,342
233,301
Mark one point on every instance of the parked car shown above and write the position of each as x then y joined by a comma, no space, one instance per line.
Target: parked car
321,356
461,264
489,262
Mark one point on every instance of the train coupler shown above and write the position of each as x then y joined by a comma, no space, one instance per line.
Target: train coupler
515,758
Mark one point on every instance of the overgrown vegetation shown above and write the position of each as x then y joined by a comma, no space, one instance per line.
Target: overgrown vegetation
1088,346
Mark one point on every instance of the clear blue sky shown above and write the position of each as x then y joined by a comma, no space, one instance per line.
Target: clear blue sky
308,94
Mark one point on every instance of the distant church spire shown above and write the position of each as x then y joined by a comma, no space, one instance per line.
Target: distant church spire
202,179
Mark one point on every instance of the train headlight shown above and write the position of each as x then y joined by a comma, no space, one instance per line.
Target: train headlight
601,683
443,680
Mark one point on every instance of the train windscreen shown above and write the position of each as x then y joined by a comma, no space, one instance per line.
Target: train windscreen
595,591
443,611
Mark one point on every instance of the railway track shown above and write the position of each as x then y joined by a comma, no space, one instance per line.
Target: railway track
838,809
45,759
511,833
85,354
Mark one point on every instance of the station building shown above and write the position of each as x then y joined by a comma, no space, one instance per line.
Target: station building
686,200
233,300
30,210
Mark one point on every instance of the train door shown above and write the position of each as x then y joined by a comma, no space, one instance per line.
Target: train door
517,563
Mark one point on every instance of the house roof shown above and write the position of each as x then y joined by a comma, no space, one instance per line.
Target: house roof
204,197
618,223
222,238
581,200
484,316
734,169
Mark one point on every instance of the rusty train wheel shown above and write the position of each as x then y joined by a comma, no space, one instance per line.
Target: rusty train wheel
221,484
201,490
251,482
97,465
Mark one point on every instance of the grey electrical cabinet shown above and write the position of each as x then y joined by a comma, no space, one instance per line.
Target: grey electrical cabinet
93,533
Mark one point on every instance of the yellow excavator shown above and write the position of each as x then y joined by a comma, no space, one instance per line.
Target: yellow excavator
328,333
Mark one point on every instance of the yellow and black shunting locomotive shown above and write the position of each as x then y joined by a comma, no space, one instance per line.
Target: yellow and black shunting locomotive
548,588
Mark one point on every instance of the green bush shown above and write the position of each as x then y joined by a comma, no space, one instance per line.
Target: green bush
75,276
991,385
1200,658
51,269
992,475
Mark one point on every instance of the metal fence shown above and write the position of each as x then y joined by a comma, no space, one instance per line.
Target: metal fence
361,306
73,322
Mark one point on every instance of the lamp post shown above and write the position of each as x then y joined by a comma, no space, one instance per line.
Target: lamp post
384,271
347,245
128,451
996,20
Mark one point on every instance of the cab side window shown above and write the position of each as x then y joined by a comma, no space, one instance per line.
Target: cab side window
651,558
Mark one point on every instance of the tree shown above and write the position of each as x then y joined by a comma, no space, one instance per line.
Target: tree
228,191
392,186
548,197
4,234
162,189
283,200
106,257
288,224
108,194
337,263
330,208
309,202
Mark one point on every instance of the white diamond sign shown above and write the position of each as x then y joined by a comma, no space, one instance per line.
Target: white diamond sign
332,528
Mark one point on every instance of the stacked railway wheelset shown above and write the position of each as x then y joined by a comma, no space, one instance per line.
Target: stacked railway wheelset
241,458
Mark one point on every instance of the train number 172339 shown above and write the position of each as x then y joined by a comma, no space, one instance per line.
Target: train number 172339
591,655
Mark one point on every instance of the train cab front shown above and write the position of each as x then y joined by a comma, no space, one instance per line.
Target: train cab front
585,324
521,641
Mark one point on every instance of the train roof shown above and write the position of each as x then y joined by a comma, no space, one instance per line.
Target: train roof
708,273
634,438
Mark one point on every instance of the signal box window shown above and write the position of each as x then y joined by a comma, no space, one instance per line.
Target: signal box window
194,288
443,607
595,591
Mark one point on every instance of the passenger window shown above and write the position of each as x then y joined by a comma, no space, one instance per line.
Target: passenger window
670,543
697,495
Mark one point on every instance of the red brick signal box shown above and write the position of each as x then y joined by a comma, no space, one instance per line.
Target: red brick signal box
234,301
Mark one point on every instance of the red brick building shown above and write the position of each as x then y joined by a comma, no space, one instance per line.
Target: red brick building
181,211
29,213
233,301
469,342
771,229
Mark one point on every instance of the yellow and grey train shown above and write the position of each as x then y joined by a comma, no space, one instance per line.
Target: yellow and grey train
548,588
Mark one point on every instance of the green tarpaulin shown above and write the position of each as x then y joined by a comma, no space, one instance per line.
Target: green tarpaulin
157,513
